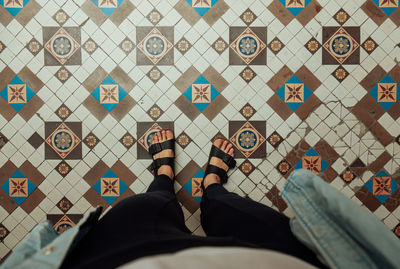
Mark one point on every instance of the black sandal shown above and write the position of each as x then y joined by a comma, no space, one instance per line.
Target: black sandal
212,169
157,148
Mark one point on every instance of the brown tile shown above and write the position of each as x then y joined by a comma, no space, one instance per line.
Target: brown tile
183,140
281,12
215,107
190,75
214,77
248,16
95,199
395,73
31,108
127,140
393,202
380,162
275,139
276,45
7,171
93,12
64,204
381,134
246,168
326,152
329,174
154,16
220,45
6,110
215,12
6,202
307,107
247,111
94,174
308,78
341,16
5,16
3,233
3,140
309,12
187,107
368,199
122,12
187,173
313,45
376,75
5,77
277,104
283,75
34,46
95,108
91,140
187,12
63,112
183,45
395,17
340,74
124,173
187,201
276,199
284,167
122,79
371,110
374,12
36,140
123,107
155,112
33,201
369,45
28,12
394,111
63,168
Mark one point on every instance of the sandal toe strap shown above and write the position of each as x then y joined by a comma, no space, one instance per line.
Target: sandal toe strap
158,147
225,157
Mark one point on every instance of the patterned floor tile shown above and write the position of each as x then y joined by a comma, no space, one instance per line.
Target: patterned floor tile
109,93
341,45
19,187
248,138
62,46
287,10
190,179
19,93
108,185
22,10
155,45
209,10
294,92
201,93
247,45
63,140
61,222
380,10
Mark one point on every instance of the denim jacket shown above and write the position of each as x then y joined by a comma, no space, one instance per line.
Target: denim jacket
343,234
339,231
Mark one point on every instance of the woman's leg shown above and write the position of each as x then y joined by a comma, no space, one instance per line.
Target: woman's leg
224,213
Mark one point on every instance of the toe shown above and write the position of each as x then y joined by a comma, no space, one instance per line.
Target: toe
218,142
155,139
231,151
228,147
224,144
169,134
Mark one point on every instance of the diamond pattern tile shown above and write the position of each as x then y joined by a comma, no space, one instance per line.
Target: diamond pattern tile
84,85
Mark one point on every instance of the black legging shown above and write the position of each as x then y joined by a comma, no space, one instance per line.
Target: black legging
153,223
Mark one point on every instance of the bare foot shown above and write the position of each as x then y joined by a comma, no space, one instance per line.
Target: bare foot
161,136
225,146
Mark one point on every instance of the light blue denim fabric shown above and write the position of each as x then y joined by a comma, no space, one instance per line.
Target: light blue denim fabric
43,248
343,234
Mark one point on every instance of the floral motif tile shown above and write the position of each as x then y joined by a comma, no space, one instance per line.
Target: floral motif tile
19,186
193,187
63,140
190,178
62,46
62,223
303,10
247,45
387,6
249,138
312,162
386,92
14,6
17,94
108,6
109,94
294,92
341,45
155,45
108,184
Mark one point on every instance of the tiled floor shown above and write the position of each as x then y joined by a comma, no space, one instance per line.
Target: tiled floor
84,85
